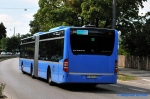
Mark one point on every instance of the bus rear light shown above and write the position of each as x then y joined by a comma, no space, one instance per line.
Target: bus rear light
116,70
65,65
116,63
116,67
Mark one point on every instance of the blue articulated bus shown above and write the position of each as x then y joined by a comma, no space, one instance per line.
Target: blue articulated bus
65,54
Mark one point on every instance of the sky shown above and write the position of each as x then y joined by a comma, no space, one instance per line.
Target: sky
14,16
16,19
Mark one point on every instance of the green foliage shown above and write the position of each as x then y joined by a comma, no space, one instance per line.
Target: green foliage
137,42
98,9
134,28
54,13
13,46
121,51
2,31
25,36
3,43
34,26
127,13
126,77
2,87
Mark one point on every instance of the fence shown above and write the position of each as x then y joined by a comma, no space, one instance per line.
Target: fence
135,62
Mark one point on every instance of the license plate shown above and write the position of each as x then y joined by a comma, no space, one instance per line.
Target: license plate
91,76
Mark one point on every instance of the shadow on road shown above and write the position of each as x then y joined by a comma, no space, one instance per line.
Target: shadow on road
106,89
84,88
102,88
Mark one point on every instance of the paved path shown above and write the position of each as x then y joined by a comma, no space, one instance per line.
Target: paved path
142,74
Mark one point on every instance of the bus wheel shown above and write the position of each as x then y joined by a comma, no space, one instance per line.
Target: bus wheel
32,73
49,78
22,69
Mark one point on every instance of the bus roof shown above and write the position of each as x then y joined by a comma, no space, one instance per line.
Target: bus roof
59,28
38,33
27,37
52,30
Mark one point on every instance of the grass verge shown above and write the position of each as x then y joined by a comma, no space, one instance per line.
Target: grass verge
126,77
2,87
6,57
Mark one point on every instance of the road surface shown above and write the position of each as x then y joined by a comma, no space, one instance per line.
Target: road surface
22,86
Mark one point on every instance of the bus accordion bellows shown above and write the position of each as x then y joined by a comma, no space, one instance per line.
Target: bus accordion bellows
68,54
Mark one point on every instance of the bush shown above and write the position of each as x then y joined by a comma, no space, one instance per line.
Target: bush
2,87
121,51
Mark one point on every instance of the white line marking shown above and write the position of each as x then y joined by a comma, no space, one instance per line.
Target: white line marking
115,85
138,90
146,80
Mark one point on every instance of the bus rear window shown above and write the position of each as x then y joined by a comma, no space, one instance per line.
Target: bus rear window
92,41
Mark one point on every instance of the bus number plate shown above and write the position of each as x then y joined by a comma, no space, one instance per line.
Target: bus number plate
91,76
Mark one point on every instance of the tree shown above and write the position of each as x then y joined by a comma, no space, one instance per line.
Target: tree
76,8
25,36
99,11
136,41
13,42
54,13
3,45
2,30
34,26
127,14
13,46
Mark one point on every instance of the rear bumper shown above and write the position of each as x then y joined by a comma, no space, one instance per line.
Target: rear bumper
106,79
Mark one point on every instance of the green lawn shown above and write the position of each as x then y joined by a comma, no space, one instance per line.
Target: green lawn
126,77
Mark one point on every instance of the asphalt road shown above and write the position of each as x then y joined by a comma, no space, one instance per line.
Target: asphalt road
22,86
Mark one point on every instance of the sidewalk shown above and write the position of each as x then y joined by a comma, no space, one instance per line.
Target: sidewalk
143,75
134,72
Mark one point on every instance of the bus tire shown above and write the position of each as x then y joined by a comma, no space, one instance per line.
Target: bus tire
31,72
22,69
49,78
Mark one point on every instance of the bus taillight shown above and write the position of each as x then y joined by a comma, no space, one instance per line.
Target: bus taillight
65,65
116,67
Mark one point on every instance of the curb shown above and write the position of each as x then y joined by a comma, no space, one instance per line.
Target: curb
4,97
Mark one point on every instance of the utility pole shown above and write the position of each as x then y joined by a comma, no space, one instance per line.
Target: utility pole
114,15
14,31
